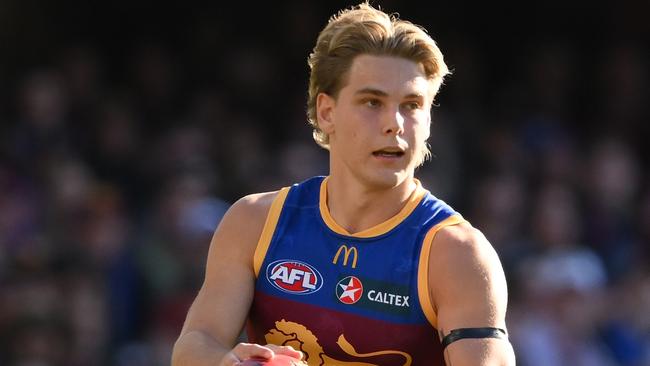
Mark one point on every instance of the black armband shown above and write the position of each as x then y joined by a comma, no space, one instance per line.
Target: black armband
463,333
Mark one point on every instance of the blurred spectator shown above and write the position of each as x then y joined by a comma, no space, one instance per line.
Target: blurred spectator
556,318
612,184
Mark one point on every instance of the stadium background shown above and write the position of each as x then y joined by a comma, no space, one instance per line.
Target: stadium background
127,128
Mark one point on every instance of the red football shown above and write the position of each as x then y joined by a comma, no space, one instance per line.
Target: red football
277,360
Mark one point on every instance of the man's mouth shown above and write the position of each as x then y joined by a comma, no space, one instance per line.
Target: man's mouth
388,153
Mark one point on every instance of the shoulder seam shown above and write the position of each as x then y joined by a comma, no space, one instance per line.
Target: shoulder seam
426,303
269,229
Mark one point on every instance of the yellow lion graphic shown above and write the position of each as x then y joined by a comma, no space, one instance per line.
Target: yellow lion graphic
296,335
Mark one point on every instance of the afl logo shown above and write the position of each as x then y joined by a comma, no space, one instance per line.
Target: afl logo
294,277
349,290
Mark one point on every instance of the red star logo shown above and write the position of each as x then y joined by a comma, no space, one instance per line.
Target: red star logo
349,290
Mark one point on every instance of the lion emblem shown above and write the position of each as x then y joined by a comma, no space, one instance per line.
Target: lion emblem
296,335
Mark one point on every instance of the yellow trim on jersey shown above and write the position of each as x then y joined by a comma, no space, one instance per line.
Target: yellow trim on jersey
423,268
268,230
382,228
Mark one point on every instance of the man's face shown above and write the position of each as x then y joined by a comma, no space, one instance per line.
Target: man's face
380,121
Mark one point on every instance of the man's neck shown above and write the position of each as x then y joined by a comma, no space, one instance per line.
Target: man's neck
357,207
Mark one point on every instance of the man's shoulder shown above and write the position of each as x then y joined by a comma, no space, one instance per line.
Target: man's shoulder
461,234
240,229
257,200
256,206
253,207
460,246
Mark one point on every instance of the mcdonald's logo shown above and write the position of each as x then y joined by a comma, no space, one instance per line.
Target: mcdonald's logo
346,255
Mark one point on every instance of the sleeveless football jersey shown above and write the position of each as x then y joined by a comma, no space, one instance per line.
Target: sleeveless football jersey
347,299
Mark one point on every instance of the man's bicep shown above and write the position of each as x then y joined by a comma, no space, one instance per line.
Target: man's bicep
222,304
479,352
469,293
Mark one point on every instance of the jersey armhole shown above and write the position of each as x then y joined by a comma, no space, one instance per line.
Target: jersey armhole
268,230
423,268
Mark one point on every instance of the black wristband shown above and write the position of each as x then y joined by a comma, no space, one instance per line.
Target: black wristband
462,333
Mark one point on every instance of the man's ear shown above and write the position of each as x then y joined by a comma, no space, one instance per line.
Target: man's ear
324,112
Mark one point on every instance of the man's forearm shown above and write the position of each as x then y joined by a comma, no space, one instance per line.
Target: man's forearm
196,348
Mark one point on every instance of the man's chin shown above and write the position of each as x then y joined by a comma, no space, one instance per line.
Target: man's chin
388,179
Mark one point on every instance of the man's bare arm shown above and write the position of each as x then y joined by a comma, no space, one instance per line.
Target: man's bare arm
468,290
217,316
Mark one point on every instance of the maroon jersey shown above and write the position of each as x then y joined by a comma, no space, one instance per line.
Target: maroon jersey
347,299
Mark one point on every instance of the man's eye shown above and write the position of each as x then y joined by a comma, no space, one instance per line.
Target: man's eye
373,102
412,105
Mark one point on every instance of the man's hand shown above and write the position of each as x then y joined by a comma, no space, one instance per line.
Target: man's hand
243,351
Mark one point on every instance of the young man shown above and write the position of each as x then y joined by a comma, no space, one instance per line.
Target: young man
363,267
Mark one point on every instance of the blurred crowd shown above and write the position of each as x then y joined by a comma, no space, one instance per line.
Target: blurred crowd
117,165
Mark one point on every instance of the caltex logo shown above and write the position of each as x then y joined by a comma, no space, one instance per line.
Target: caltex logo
349,290
294,277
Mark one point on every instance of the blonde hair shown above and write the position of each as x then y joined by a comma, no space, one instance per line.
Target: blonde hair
359,30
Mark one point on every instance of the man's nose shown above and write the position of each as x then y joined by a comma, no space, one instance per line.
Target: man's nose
393,123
